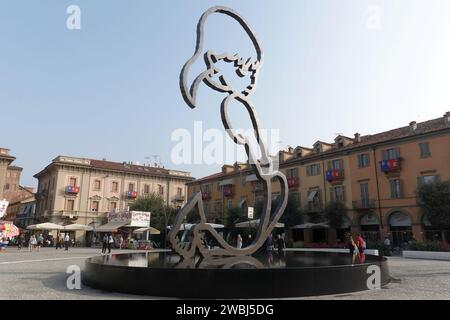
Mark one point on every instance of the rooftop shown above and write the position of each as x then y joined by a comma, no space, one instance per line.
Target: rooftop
126,167
421,128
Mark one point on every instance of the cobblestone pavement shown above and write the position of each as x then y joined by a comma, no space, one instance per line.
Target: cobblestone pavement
42,275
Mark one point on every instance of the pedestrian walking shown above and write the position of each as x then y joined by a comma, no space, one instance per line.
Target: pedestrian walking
32,243
239,241
20,242
58,243
120,241
40,241
104,242
361,244
66,242
110,242
351,245
281,245
387,244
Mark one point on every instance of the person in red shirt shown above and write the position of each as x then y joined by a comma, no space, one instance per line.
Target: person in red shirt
361,244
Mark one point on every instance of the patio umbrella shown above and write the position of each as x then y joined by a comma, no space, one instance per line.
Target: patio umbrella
188,226
255,223
151,229
76,226
9,230
45,226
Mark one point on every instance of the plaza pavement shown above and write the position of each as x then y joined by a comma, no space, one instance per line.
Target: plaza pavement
42,275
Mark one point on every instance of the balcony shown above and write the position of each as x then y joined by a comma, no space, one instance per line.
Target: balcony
391,165
178,198
364,204
131,194
292,182
72,190
227,191
335,175
206,195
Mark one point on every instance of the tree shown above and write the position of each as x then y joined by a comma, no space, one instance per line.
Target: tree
154,203
292,214
233,216
434,198
335,212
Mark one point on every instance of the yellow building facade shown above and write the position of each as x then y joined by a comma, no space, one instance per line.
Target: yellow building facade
376,176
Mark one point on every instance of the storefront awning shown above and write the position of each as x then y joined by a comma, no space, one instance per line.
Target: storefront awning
151,229
251,178
111,226
226,182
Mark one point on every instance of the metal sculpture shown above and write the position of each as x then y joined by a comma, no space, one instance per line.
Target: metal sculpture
265,168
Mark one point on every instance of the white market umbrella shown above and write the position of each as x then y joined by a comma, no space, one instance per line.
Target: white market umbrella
151,229
76,226
45,226
188,226
255,223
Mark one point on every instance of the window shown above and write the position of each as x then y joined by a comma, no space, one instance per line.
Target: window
218,186
364,187
114,186
338,193
230,204
94,206
393,153
72,182
427,179
218,208
292,173
131,187
395,188
146,189
363,160
424,150
97,185
337,165
70,204
179,191
313,169
7,186
206,208
160,189
113,206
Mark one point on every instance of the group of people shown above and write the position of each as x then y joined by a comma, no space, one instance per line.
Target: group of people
107,242
357,247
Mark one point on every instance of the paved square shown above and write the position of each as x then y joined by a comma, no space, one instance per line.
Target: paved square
42,275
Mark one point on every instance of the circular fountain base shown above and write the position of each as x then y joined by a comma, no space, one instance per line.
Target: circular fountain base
294,274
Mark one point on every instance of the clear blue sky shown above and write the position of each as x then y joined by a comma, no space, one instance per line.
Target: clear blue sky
110,90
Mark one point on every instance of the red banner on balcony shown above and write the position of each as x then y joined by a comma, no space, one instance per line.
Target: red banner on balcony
291,182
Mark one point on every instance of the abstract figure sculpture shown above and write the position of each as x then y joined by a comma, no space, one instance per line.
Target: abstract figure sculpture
265,168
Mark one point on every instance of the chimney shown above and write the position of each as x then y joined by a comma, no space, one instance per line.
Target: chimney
412,126
447,117
357,137
290,150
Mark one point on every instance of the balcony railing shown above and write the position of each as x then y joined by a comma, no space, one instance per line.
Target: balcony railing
334,175
227,191
178,198
364,204
391,165
72,189
131,194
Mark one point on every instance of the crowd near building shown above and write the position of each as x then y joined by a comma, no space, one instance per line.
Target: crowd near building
375,176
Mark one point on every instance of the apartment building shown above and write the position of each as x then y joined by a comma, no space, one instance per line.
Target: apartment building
80,190
376,176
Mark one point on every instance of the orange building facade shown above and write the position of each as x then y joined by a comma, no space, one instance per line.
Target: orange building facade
376,176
